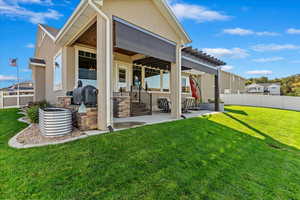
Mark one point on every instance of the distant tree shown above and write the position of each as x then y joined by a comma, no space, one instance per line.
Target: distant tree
290,86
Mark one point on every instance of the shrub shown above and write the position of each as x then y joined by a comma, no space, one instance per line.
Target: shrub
40,104
33,110
33,114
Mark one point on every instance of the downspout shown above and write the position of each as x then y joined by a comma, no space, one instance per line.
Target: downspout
108,61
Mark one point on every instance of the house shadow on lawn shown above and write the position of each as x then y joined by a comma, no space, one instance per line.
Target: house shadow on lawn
240,112
268,140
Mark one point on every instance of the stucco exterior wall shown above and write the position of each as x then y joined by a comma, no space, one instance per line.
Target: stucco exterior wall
142,13
43,78
232,82
207,87
38,76
228,81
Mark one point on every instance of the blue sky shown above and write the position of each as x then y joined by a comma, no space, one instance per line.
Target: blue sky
254,37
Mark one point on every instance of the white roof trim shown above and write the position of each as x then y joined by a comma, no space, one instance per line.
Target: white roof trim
47,32
33,64
179,25
199,62
72,18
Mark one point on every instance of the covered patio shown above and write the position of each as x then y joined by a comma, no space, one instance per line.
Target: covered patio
117,57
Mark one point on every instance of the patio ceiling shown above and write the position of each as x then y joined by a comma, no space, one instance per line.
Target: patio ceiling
156,63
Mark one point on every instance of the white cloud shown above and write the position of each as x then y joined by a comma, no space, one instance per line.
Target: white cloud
293,31
15,10
238,31
265,60
227,67
274,47
49,2
195,12
30,46
243,32
267,33
260,72
7,78
223,52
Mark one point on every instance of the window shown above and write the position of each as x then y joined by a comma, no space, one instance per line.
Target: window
122,79
57,79
87,68
185,84
137,76
152,79
166,81
122,75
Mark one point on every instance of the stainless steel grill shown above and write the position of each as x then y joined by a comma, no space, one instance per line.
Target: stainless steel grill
55,121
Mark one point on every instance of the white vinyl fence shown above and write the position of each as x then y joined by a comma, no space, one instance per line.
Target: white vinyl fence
281,102
15,99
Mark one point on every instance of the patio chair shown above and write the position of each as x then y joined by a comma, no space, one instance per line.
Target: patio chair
188,104
164,105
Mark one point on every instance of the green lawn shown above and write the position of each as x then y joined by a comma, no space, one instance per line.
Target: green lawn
247,153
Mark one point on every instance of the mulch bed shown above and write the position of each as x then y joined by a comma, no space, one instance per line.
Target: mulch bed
32,135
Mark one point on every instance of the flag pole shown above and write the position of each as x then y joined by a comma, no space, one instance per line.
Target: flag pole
18,79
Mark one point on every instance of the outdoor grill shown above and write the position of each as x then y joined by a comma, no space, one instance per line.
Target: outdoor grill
86,95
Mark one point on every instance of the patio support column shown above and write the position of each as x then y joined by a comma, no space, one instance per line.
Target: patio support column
176,85
103,76
217,91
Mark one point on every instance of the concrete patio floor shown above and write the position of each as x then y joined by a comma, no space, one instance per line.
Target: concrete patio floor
155,118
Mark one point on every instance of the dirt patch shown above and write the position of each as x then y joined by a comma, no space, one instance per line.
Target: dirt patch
32,135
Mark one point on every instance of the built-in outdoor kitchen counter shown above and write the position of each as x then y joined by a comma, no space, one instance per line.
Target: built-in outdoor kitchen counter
88,120
121,104
83,121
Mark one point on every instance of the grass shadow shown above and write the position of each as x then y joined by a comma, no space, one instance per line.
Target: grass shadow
240,112
268,139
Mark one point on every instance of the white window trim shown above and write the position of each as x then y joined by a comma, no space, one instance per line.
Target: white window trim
77,49
55,89
188,79
126,66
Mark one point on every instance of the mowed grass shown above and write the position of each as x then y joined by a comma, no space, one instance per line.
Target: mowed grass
246,153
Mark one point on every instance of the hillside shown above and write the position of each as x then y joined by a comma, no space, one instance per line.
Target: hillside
290,86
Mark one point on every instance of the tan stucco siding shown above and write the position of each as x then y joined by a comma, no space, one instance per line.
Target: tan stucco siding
232,82
227,81
47,51
207,87
69,68
38,76
142,13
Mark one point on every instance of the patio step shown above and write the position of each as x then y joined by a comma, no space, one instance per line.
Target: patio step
139,109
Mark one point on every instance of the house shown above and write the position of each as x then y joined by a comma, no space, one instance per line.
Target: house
17,95
116,45
26,85
264,88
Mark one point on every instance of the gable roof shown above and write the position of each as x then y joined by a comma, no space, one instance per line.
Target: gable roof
161,5
169,14
50,31
269,84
